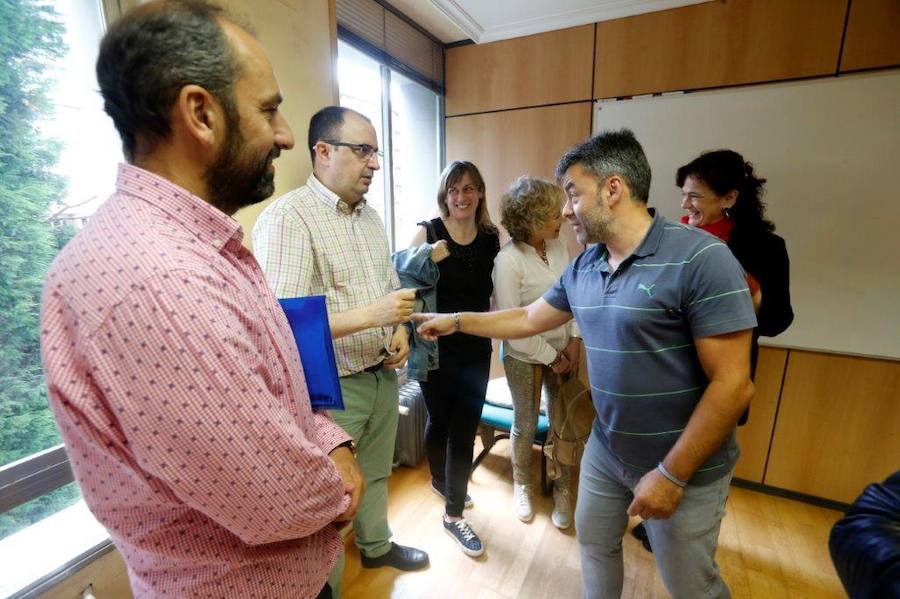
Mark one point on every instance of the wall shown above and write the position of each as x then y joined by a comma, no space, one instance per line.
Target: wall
822,424
300,37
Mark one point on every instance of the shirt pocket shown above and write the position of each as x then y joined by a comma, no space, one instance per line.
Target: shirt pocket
345,278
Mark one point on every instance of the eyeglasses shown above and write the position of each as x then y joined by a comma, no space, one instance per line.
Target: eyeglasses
363,151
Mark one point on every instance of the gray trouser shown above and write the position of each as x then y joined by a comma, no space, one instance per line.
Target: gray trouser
525,381
684,546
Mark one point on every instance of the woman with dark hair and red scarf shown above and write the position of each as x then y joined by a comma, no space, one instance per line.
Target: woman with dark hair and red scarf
722,196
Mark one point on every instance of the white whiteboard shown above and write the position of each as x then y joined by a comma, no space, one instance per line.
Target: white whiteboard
830,149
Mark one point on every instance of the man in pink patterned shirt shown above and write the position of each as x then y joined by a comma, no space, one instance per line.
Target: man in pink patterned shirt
172,371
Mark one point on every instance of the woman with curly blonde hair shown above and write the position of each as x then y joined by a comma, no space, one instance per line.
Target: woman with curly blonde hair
523,270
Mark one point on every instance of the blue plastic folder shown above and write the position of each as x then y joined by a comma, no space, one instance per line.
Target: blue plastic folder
308,318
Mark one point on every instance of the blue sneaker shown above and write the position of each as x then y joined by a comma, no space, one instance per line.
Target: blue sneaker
465,537
439,491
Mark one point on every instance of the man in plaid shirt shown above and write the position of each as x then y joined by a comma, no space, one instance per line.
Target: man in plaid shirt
322,239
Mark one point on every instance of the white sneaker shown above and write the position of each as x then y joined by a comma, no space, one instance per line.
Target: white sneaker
562,509
522,502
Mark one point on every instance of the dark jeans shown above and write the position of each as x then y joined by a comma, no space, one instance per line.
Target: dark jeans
325,593
454,395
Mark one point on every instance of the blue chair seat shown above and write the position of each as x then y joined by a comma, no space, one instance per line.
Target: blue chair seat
500,419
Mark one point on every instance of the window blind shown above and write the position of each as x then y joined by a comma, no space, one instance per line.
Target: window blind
381,30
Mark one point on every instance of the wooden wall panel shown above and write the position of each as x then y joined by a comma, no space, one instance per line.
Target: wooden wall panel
716,44
548,68
872,35
505,145
290,30
837,427
754,437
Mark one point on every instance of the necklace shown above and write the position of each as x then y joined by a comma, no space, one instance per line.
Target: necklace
543,253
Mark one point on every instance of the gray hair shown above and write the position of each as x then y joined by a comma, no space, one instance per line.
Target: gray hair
612,153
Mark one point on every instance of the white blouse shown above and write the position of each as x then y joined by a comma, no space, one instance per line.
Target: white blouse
520,277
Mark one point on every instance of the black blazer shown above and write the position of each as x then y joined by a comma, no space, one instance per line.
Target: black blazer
764,255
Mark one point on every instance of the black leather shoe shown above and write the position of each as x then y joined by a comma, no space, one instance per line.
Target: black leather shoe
400,557
639,532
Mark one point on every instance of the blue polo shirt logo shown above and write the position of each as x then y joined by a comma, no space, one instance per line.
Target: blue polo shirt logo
646,289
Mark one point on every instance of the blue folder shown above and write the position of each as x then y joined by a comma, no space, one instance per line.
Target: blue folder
308,318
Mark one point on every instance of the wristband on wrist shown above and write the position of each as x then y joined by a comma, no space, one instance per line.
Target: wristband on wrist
674,479
559,357
455,321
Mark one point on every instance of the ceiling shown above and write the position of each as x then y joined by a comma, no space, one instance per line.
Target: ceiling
491,20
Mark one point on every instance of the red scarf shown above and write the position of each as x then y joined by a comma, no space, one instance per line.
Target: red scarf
722,229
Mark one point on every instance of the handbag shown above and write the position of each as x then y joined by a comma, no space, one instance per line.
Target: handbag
571,418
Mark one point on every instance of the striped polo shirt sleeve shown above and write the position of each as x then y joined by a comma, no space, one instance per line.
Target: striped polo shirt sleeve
557,296
715,295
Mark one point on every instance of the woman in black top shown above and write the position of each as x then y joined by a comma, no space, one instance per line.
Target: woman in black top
454,393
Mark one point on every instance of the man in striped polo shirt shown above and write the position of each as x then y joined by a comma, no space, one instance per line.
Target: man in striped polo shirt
666,317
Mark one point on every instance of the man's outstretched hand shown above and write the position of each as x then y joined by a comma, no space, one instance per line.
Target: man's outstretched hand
434,325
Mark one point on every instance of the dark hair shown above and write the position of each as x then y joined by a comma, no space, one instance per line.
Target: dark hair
723,171
326,124
612,153
452,174
152,52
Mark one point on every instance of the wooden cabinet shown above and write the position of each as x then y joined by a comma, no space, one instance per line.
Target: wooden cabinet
872,38
838,425
549,68
715,44
754,437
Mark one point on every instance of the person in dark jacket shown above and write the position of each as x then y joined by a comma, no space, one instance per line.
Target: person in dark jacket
865,543
722,195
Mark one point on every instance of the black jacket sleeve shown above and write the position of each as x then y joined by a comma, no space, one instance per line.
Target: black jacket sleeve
865,543
765,257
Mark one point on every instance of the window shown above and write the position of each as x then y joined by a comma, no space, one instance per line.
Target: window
404,191
58,155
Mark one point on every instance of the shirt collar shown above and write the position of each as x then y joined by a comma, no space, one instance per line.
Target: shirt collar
647,247
332,199
200,218
652,239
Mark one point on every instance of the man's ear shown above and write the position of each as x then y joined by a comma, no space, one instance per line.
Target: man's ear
617,188
323,153
199,115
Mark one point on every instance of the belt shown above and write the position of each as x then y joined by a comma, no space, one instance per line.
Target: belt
374,367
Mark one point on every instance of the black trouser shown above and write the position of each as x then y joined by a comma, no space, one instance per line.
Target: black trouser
454,395
325,593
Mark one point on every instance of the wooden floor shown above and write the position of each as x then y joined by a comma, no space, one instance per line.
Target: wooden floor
769,547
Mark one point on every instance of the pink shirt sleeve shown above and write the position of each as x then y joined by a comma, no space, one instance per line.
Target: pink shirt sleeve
189,377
